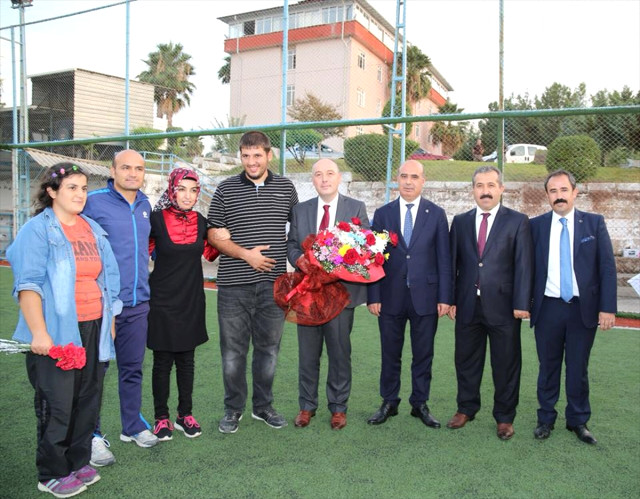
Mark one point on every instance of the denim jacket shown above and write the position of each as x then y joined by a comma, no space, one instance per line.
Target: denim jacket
42,260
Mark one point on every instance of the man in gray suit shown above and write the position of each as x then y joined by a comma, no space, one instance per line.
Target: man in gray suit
307,218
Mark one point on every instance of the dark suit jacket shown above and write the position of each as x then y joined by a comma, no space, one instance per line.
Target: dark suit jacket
593,264
426,261
304,222
504,273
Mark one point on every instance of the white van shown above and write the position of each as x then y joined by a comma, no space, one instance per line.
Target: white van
522,153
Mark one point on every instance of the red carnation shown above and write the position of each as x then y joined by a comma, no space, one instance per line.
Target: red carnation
344,226
371,239
69,356
379,259
356,221
350,257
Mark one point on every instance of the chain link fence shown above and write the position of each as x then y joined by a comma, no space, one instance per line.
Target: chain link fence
339,64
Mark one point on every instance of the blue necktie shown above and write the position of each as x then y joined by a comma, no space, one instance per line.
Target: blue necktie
566,274
408,224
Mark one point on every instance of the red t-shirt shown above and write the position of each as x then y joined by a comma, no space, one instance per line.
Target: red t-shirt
88,267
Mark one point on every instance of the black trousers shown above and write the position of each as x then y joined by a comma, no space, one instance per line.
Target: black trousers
506,364
161,381
66,405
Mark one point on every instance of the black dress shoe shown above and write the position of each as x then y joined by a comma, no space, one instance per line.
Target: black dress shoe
425,416
385,412
583,434
543,431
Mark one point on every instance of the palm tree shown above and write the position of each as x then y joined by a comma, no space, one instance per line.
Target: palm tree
451,136
169,72
417,76
224,73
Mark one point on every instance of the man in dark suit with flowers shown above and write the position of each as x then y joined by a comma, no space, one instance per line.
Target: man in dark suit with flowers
310,217
416,288
572,295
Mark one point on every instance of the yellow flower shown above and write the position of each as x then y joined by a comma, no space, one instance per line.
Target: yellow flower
386,256
344,249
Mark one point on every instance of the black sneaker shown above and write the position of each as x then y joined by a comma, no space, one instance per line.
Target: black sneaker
229,423
271,417
163,429
189,426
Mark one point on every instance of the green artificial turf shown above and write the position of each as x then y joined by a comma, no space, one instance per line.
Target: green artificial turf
401,458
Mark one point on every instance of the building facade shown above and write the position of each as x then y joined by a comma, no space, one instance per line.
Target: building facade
340,51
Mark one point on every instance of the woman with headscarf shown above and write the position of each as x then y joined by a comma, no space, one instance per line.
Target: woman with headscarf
177,306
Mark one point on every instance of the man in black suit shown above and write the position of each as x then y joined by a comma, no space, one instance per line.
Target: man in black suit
574,291
416,288
310,217
492,258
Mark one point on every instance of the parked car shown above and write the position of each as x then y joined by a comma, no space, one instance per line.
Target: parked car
517,153
422,154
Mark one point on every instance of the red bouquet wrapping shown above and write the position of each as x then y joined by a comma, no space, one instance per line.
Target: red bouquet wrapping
346,252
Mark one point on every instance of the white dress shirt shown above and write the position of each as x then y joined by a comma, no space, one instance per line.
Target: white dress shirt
552,287
333,208
479,212
403,211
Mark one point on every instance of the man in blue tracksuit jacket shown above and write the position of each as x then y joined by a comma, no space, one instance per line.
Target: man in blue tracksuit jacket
123,211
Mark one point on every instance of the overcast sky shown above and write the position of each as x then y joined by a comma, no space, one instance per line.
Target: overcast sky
567,41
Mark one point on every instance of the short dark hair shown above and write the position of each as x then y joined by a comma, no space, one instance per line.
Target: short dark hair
557,173
486,169
255,139
53,178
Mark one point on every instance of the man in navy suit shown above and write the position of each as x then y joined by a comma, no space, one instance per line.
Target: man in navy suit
307,218
574,291
416,288
492,258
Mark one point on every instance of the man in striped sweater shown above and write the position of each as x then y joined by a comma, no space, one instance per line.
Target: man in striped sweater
247,223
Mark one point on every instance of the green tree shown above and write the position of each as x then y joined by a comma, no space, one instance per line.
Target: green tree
224,73
311,108
229,142
418,82
397,111
616,131
578,154
298,141
193,146
169,72
146,144
451,136
367,155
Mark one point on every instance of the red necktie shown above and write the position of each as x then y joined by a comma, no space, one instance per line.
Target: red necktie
482,234
324,223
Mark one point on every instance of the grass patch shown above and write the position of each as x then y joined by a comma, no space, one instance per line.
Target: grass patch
401,458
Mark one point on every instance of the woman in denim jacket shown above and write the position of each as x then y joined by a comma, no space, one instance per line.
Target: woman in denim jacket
66,281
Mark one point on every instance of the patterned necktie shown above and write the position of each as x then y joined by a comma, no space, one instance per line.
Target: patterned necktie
408,224
324,223
566,275
482,234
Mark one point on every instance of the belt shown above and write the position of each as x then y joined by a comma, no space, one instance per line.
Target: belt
570,302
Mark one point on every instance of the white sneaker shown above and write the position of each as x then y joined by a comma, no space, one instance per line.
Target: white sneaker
100,453
144,439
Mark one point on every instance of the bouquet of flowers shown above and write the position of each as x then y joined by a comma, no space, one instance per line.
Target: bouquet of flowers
69,356
345,252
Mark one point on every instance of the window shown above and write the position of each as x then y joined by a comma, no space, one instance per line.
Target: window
379,76
332,14
359,130
291,94
361,60
263,26
235,30
378,107
360,97
291,61
249,28
417,131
